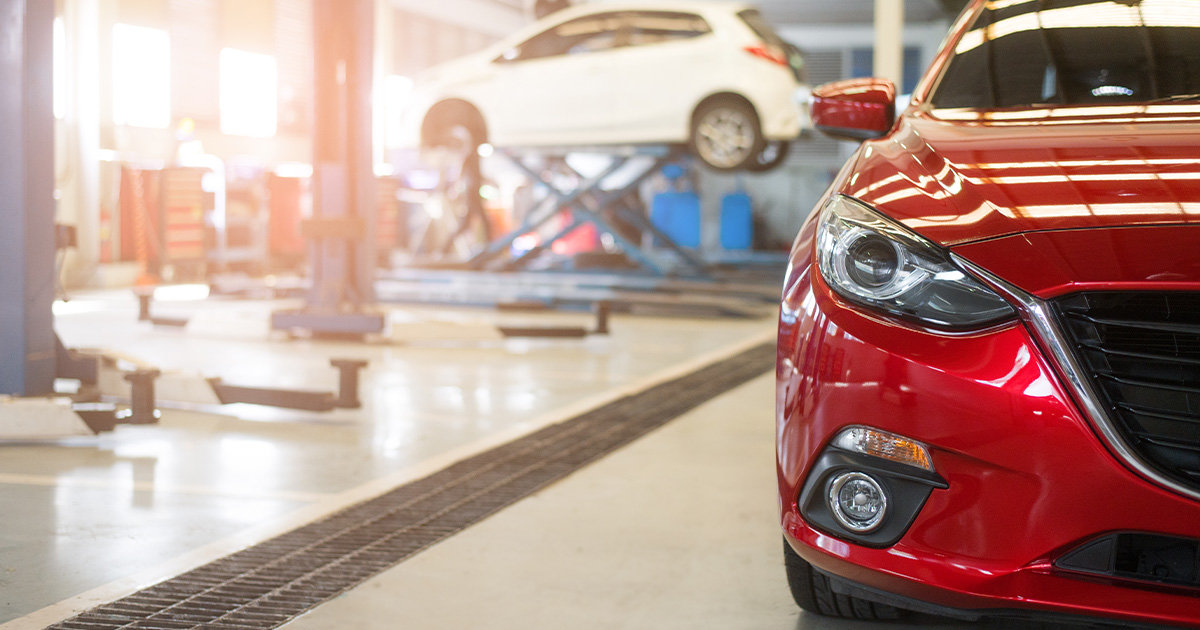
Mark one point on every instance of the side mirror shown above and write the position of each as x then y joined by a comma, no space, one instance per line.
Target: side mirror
854,109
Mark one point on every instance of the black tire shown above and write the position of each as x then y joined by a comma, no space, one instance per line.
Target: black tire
772,155
726,134
812,593
454,125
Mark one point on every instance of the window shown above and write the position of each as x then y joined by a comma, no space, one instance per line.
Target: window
581,35
653,27
760,26
1075,53
249,105
141,76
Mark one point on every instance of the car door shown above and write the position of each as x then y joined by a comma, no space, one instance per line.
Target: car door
554,88
664,68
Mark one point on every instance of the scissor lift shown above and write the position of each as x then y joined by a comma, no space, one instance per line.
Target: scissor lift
599,200
650,271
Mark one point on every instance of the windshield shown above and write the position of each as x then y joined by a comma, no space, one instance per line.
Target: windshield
1022,53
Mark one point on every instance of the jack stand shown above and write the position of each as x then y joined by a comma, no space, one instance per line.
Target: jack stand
141,395
602,310
145,296
348,371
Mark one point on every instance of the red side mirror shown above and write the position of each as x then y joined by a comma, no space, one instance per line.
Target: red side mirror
856,109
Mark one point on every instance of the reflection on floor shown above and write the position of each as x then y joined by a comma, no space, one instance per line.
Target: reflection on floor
676,529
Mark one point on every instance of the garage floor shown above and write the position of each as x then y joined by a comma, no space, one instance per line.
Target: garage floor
676,529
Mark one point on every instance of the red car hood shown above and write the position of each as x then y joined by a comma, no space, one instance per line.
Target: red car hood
1050,264
973,179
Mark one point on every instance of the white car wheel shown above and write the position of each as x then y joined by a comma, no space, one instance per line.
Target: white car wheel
726,135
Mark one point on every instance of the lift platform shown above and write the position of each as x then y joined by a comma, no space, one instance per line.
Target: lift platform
604,200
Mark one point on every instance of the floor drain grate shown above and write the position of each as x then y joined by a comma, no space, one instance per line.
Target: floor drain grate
268,584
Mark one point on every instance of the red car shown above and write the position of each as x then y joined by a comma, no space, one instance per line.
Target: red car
988,378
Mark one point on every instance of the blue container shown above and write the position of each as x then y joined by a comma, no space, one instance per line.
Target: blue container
737,221
677,214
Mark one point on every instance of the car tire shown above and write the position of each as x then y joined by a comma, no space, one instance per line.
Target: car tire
772,155
812,592
454,125
726,134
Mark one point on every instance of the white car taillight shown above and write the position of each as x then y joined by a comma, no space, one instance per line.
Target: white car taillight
769,53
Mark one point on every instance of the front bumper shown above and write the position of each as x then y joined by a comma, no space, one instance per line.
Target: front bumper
1027,478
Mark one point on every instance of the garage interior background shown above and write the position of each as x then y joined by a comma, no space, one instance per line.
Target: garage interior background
238,82
99,132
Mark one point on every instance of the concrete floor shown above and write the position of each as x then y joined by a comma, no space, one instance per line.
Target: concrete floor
676,529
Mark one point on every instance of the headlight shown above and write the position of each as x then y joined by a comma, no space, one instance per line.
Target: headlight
879,264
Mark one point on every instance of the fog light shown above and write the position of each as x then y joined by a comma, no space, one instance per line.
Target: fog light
857,501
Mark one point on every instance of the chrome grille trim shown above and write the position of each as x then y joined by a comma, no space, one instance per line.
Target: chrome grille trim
1039,317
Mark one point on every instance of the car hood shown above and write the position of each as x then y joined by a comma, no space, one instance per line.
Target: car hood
1057,262
957,177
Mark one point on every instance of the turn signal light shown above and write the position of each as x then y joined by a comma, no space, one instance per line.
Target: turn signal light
889,446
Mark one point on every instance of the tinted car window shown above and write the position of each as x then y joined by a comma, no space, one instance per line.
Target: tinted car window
652,27
1020,54
760,26
581,35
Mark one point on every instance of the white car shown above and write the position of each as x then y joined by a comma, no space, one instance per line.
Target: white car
713,75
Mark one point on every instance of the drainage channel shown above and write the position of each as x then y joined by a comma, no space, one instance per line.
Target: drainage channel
268,584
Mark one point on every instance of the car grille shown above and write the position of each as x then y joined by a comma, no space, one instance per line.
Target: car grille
1141,351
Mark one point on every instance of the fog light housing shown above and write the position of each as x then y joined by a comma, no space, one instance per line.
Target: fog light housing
858,501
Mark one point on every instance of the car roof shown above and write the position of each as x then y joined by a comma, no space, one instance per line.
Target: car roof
706,7
697,6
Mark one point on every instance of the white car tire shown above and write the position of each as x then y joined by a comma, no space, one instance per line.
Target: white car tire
726,134
454,125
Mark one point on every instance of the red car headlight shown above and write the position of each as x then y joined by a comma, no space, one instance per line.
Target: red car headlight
875,262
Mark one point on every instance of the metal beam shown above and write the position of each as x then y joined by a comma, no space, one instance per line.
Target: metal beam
27,344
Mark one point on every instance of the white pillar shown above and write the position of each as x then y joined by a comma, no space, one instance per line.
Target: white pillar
889,40
79,164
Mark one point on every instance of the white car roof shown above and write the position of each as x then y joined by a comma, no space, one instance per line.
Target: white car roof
698,6
703,7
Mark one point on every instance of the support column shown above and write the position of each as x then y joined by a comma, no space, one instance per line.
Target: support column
343,160
889,41
342,229
26,198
